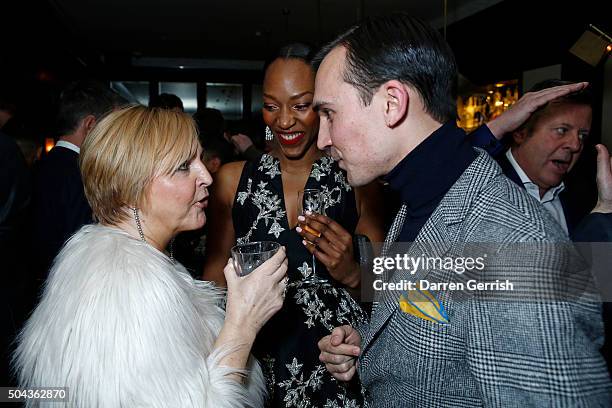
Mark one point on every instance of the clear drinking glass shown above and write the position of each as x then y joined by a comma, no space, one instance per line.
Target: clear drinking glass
249,256
311,200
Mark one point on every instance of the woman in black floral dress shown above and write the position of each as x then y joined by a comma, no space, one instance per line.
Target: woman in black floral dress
256,201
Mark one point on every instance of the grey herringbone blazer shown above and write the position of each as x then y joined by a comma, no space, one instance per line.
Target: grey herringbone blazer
493,352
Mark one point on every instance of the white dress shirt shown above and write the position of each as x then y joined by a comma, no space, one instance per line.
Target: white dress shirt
68,145
550,201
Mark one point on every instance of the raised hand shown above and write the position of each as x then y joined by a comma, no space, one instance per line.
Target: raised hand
518,114
241,142
604,180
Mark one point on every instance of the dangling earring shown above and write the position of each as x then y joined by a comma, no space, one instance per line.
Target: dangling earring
142,237
138,225
171,250
269,134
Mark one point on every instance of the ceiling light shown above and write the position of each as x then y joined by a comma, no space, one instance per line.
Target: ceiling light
592,45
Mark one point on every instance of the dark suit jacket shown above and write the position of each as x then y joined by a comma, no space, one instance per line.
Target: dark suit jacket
596,228
59,206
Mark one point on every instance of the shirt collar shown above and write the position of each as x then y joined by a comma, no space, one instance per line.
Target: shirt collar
550,194
429,171
68,145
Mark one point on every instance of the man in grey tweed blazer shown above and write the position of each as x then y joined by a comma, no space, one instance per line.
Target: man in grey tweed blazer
384,96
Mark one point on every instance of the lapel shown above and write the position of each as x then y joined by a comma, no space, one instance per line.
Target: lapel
572,216
508,170
439,234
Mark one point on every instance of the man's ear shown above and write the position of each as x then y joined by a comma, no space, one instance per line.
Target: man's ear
88,123
396,100
519,136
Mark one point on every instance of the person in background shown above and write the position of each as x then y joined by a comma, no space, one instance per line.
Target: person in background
167,101
212,126
59,206
545,148
211,123
256,201
548,127
120,322
244,146
217,152
568,104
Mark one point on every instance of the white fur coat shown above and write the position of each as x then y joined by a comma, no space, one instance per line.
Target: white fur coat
121,326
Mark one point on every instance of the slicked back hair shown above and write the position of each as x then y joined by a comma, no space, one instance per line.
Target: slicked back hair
404,48
300,51
82,98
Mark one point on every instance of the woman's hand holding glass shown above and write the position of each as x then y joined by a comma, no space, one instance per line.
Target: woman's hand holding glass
253,299
332,245
310,200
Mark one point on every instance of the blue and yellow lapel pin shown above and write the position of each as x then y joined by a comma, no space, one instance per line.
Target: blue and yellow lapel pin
424,305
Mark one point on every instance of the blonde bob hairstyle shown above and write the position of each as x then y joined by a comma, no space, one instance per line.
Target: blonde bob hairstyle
126,150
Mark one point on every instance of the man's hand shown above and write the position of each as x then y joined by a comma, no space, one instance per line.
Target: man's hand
604,180
339,352
241,142
518,114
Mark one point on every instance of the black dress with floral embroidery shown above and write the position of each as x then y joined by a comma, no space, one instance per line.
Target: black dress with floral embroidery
287,346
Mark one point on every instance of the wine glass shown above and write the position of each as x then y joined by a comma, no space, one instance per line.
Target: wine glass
249,256
311,200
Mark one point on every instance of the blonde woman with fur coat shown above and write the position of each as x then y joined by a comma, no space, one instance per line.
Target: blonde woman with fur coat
120,323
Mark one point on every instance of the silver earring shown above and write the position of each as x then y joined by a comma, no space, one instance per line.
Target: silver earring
142,237
269,134
138,225
171,250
